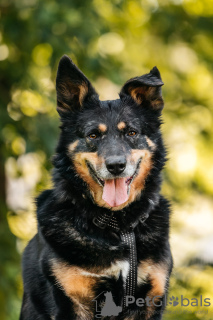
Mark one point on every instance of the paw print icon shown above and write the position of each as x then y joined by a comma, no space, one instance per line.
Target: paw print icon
173,301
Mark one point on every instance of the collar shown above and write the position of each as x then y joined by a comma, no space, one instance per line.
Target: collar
105,220
108,220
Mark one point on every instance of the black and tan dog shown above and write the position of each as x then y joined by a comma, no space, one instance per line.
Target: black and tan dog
107,180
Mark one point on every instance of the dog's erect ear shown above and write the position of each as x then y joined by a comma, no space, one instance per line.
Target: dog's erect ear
145,88
72,86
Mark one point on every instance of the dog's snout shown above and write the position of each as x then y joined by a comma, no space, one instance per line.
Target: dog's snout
116,164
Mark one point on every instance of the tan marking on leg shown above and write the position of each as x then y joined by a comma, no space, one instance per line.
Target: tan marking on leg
102,127
121,125
150,143
72,281
78,286
157,274
78,283
73,146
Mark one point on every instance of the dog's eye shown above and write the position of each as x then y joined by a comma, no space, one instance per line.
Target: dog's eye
93,136
131,133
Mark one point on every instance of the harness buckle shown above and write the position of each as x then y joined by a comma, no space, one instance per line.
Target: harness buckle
142,220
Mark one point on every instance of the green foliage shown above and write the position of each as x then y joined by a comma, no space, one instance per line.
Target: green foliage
110,41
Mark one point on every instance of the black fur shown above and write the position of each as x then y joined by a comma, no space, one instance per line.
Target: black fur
66,232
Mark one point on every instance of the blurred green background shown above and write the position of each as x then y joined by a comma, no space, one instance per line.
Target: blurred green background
110,41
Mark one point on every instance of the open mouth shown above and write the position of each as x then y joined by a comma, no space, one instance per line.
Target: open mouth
94,174
100,181
115,191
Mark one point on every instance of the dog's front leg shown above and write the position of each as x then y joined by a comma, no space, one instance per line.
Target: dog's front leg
64,307
154,310
153,281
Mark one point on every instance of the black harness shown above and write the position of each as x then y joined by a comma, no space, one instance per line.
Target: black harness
127,238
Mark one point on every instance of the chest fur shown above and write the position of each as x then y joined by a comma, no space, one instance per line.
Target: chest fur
79,282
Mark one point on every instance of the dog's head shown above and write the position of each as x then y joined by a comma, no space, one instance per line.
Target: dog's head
110,144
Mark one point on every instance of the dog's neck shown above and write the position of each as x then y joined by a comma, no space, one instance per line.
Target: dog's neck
73,189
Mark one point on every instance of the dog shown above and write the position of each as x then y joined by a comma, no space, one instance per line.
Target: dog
104,226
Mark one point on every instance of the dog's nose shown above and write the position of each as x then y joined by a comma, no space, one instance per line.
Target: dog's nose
116,164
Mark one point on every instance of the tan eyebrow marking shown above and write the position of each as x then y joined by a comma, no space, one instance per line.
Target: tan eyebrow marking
121,125
102,127
73,145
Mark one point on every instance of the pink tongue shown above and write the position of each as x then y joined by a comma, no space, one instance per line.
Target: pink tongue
115,192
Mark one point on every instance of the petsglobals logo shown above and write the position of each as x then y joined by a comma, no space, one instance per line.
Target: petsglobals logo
173,301
186,302
106,306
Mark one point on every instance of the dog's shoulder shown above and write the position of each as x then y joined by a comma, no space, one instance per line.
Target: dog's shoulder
45,195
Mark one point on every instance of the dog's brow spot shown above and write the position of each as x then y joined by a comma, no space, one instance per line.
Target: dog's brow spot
73,146
150,143
121,125
102,127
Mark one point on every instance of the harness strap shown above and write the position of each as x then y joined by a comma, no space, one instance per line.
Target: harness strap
127,238
131,280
